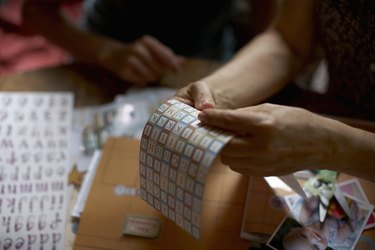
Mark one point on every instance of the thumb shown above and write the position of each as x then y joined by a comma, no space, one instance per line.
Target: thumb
202,96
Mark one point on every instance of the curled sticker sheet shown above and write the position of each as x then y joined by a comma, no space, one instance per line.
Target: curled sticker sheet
175,156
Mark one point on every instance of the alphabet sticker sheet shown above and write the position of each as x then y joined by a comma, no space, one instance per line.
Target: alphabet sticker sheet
175,156
34,135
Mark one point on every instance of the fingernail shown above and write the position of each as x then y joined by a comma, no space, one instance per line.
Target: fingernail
206,104
201,116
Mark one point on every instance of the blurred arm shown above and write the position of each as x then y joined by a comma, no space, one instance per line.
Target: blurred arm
269,61
46,18
141,62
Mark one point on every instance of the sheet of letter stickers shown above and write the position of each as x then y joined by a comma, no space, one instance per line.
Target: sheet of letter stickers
175,156
34,134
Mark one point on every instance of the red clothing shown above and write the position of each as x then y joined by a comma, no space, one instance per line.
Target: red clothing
21,50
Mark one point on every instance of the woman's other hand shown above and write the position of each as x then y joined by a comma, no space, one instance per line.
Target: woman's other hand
272,139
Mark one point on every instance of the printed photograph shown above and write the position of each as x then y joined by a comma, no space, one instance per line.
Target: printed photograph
302,229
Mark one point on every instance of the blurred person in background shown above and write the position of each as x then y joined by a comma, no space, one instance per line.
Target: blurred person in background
138,41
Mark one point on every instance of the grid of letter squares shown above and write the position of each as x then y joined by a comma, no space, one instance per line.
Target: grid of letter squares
175,157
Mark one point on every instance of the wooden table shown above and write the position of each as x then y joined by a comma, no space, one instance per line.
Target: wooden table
92,86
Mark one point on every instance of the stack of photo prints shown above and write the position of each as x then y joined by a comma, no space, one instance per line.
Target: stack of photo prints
305,228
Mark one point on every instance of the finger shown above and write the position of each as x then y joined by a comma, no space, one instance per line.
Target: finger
239,120
146,57
140,69
241,147
162,53
202,96
244,166
196,94
134,78
182,96
181,59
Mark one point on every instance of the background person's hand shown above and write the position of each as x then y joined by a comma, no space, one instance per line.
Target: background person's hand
273,139
142,62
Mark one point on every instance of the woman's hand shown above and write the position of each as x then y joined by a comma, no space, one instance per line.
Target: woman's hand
202,95
197,94
272,139
142,62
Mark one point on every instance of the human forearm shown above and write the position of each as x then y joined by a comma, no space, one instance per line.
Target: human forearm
141,61
258,71
46,18
354,152
263,66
